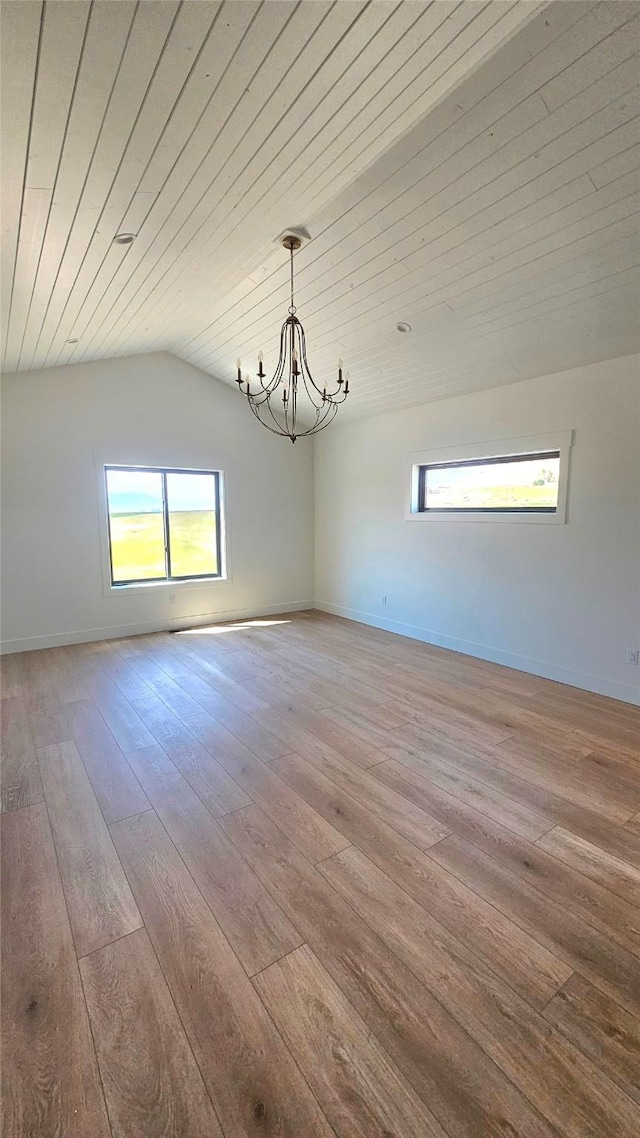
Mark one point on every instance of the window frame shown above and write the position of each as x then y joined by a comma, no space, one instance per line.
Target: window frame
167,579
496,460
481,452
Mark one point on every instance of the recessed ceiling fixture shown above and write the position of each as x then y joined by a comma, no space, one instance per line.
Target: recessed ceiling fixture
276,403
402,326
124,238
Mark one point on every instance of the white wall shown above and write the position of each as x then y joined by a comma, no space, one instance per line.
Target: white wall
561,601
152,410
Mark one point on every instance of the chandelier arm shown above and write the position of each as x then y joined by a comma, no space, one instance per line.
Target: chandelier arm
267,401
278,431
279,425
321,414
324,422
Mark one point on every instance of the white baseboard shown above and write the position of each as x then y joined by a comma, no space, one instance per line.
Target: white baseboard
85,635
626,692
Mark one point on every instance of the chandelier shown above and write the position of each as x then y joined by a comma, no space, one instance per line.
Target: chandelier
276,403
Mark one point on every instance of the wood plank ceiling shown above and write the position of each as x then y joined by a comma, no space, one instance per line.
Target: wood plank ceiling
471,168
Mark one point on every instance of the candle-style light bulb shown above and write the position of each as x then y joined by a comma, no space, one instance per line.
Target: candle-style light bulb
247,381
238,364
340,365
260,357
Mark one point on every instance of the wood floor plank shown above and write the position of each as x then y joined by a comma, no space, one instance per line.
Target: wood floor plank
362,727
211,782
565,1087
101,907
517,957
66,673
10,683
338,737
151,1081
539,799
507,811
213,677
634,823
274,688
254,924
358,1086
601,1029
589,786
50,1080
463,1088
585,898
433,717
589,951
308,830
255,1086
160,685
114,784
20,783
214,673
254,735
410,820
612,872
125,725
358,697
303,730
46,714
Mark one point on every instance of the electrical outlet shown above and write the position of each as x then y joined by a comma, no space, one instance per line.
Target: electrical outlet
172,598
632,655
384,599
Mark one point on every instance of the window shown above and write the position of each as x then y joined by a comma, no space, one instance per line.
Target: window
520,483
164,525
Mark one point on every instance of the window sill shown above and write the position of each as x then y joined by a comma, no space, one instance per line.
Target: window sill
475,516
144,586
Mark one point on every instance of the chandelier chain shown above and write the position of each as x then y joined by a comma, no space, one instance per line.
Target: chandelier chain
292,307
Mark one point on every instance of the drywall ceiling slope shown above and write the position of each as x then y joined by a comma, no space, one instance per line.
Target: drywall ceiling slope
471,168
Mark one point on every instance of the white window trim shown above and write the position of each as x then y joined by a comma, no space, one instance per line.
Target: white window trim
173,586
491,448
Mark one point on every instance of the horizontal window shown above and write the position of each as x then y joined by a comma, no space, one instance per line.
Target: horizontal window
164,525
521,483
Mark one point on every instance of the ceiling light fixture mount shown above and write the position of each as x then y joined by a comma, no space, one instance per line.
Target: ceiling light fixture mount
124,238
402,326
275,402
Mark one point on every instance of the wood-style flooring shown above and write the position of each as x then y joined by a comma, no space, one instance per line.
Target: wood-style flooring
297,877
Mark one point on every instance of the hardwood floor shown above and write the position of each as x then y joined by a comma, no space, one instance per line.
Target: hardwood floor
298,877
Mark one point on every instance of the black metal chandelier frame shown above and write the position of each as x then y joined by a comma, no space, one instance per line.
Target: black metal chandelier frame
275,403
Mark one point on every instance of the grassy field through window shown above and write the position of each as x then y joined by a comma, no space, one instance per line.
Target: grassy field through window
137,545
520,484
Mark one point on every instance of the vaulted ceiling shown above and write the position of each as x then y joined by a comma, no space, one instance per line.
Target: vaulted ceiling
469,168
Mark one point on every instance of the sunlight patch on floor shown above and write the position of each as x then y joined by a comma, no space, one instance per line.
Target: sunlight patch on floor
212,629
